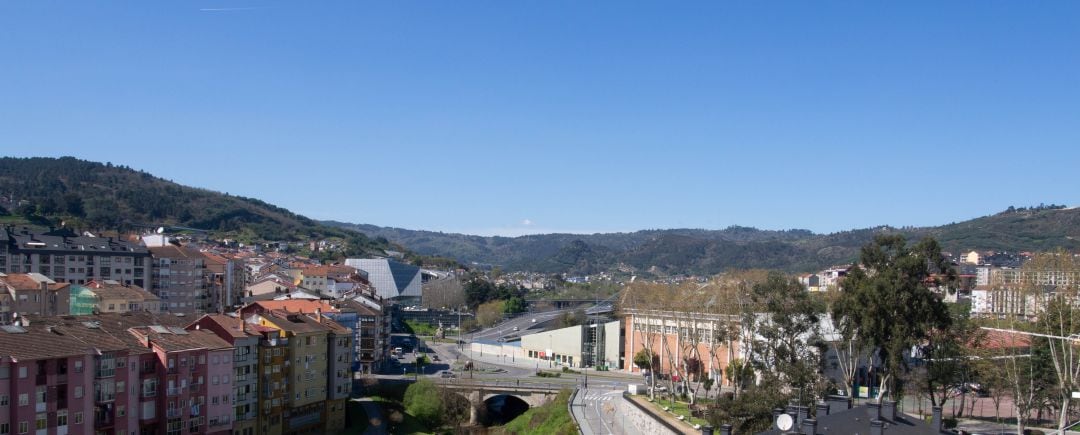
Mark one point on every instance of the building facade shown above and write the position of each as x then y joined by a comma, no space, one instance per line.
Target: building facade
66,257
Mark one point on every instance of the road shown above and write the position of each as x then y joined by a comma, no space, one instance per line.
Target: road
595,410
505,330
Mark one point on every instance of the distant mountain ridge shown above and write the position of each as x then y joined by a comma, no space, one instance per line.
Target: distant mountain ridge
699,251
95,195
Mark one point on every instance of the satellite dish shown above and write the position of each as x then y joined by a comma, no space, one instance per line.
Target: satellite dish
160,230
784,422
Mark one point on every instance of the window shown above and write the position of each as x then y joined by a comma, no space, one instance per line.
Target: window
78,366
225,379
78,417
78,391
23,427
61,417
39,395
216,359
42,421
4,400
24,399
5,428
120,411
22,372
216,380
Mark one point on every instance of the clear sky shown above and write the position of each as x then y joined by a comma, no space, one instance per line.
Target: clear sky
510,117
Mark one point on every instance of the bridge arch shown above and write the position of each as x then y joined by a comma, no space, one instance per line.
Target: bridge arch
501,408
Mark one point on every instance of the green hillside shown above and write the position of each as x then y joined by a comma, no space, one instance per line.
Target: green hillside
96,196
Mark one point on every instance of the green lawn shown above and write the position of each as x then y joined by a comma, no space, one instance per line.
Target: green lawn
678,408
419,328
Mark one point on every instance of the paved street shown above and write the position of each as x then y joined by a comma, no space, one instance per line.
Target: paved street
595,410
505,329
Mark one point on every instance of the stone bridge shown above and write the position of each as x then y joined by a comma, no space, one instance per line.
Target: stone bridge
477,393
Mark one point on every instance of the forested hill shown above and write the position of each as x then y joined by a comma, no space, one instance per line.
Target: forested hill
691,251
91,195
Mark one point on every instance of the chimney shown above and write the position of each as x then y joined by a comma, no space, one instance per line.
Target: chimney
725,429
318,314
888,410
809,427
873,410
822,409
935,423
877,427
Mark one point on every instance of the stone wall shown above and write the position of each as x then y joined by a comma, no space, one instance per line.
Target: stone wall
643,420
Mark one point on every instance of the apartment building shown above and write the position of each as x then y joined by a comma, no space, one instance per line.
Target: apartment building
225,281
178,279
32,294
108,387
111,297
245,342
274,361
370,326
65,256
339,360
306,382
197,379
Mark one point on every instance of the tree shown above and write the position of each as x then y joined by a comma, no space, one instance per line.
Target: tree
791,345
1060,318
489,313
515,305
887,302
643,359
423,401
421,361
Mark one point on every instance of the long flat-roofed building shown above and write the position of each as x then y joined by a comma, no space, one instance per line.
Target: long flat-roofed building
65,256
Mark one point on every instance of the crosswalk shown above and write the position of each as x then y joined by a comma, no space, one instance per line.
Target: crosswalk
598,396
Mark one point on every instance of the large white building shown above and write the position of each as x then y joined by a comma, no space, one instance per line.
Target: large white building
393,281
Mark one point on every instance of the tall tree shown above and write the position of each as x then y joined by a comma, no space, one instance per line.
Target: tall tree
888,304
788,331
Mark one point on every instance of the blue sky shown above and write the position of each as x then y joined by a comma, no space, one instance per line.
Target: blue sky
517,117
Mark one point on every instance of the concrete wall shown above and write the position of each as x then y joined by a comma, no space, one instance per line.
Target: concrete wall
643,421
563,343
501,349
613,345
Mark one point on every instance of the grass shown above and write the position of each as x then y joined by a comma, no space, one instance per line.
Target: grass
552,418
678,408
419,328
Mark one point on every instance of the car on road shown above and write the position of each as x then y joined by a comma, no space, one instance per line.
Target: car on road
515,329
447,374
534,320
434,357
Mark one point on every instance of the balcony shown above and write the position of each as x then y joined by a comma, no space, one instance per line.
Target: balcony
172,413
175,391
149,392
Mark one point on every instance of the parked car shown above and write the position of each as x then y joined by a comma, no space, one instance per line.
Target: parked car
448,374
